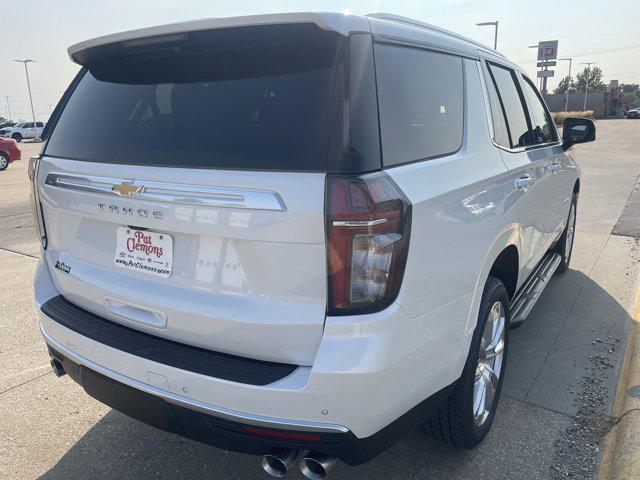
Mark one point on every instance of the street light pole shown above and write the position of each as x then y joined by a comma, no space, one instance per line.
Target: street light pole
566,100
495,34
586,86
6,97
33,112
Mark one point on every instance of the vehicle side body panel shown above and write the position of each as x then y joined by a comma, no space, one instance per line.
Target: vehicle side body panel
465,195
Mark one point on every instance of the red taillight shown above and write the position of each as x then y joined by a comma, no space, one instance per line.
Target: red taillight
368,224
283,434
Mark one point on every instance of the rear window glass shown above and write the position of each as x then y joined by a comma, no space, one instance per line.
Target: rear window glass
421,97
241,98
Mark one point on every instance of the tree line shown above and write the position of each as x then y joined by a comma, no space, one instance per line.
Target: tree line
629,91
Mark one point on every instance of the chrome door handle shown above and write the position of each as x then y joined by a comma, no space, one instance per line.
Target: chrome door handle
524,182
554,167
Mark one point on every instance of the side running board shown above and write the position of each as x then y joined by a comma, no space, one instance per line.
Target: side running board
529,293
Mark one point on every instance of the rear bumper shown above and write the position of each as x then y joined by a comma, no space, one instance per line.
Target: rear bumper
374,379
224,429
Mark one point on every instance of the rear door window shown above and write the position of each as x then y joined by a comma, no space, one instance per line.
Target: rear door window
510,101
239,98
421,101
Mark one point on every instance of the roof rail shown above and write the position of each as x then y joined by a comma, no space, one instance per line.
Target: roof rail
417,23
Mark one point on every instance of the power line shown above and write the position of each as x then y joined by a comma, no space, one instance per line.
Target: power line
597,52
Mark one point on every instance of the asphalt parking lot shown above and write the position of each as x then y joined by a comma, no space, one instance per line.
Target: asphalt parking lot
557,399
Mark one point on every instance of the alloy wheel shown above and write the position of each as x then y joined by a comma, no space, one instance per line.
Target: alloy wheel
490,361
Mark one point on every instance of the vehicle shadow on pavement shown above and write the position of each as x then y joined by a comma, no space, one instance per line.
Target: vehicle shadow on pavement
527,441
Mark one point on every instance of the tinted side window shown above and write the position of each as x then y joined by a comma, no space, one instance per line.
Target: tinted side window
28,125
420,94
511,103
542,128
500,130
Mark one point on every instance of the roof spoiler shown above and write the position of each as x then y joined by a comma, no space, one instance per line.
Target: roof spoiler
83,52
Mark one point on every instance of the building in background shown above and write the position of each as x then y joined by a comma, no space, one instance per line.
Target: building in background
603,104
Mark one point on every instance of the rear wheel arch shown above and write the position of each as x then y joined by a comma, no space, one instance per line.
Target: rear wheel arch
576,187
506,267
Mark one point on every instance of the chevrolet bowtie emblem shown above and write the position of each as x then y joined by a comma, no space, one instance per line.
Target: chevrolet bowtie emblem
127,188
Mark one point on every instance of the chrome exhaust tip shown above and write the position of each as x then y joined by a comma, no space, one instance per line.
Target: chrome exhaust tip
277,461
316,465
58,369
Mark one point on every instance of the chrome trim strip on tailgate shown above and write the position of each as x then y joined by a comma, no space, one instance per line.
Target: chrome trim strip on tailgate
209,409
176,193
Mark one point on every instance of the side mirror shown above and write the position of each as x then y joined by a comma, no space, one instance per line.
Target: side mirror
577,130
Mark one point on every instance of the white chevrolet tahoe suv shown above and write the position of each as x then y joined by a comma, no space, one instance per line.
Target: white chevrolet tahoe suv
298,235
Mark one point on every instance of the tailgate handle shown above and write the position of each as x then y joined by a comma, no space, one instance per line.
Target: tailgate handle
136,313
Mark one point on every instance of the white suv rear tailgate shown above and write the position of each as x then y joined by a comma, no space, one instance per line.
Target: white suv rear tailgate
247,280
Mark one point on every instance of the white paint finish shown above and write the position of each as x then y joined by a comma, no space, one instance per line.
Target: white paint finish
381,23
564,180
461,205
23,129
343,24
364,373
268,300
423,35
246,282
533,204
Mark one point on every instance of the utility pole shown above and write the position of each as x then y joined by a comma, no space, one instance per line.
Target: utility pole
6,97
33,112
566,100
586,86
495,34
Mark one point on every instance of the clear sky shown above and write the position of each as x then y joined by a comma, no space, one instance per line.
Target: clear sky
600,31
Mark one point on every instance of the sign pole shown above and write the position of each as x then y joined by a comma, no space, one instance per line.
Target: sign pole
547,52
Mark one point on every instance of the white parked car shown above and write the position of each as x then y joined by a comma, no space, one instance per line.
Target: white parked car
23,130
299,235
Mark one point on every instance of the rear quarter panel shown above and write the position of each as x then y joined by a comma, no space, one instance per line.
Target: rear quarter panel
464,215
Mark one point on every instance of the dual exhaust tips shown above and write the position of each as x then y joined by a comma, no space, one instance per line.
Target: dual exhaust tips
313,465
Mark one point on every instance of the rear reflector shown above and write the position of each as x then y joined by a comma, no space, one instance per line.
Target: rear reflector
36,206
283,434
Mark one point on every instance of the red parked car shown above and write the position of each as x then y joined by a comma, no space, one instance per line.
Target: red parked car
9,152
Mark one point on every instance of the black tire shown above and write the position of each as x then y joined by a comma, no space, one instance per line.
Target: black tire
561,246
17,137
454,424
4,161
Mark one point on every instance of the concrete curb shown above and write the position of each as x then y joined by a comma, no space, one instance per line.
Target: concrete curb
620,458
